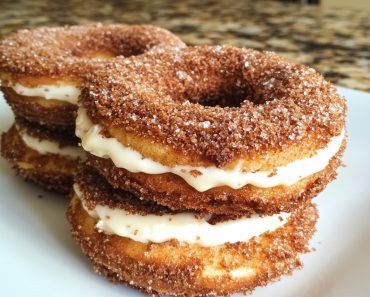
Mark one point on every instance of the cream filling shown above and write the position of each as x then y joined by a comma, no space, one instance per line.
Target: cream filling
184,227
68,93
45,146
210,177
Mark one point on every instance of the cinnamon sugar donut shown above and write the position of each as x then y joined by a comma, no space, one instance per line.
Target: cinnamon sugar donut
41,69
44,157
171,258
209,128
172,191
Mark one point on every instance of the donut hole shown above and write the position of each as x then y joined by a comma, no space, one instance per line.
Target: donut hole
99,55
109,41
224,99
106,54
201,83
108,48
234,97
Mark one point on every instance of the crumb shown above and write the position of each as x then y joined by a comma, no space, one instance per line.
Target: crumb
195,173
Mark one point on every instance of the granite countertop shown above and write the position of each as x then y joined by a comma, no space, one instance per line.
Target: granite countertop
335,42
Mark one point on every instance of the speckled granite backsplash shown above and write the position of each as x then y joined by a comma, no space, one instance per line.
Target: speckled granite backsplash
335,42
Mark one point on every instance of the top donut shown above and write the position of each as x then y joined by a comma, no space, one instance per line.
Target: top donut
68,51
216,104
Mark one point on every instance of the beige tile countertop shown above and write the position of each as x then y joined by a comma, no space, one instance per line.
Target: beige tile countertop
334,41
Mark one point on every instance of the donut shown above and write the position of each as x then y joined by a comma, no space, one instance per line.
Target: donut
215,129
44,157
147,246
41,69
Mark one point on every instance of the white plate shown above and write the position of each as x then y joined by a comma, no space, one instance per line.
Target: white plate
39,258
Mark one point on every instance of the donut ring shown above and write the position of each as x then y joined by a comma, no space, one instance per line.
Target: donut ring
182,269
171,191
222,108
38,65
51,171
51,114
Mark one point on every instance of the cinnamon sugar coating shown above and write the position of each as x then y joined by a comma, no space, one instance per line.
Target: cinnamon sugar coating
67,51
97,191
173,192
180,269
51,181
50,171
41,132
55,115
216,102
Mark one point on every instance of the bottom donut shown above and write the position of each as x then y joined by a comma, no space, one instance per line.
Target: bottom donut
124,237
41,156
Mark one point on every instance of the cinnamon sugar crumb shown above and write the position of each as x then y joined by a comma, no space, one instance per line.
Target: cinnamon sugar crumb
195,172
273,172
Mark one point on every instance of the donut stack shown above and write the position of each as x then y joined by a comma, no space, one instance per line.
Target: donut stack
201,166
41,71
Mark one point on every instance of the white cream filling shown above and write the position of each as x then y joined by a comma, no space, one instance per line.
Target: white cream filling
67,93
45,146
184,227
125,157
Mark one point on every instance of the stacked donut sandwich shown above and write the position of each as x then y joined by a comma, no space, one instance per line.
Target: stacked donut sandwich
41,71
201,165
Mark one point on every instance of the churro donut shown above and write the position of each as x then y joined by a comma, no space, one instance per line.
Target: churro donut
170,265
41,69
171,191
44,157
213,129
